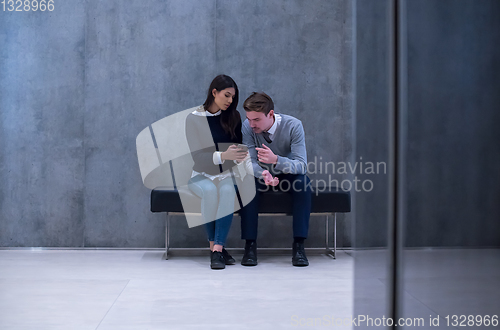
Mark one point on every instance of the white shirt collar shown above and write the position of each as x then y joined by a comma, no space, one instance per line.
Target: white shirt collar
277,120
200,111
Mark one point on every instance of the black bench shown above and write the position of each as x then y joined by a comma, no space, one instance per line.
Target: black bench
327,202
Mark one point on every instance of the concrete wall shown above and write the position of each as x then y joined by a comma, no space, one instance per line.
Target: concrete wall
78,84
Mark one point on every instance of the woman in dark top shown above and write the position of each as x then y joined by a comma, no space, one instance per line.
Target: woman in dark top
212,180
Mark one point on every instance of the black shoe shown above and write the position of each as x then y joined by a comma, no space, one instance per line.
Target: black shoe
250,256
227,257
299,258
217,260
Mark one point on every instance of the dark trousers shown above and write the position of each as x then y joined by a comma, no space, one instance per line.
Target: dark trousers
301,195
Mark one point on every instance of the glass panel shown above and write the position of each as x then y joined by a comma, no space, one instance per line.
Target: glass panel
371,205
451,259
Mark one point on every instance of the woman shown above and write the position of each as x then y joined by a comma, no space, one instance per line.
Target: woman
212,178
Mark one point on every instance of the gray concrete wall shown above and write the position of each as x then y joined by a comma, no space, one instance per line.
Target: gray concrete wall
42,117
78,84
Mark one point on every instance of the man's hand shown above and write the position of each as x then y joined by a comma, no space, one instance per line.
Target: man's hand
268,178
266,155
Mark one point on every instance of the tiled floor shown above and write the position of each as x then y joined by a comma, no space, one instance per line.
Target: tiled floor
136,289
118,289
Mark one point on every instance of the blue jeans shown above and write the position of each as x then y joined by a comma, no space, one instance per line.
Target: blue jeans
217,205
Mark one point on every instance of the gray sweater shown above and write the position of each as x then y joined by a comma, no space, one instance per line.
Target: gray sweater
288,144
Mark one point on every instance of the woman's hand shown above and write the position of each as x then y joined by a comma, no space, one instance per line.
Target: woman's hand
234,153
244,159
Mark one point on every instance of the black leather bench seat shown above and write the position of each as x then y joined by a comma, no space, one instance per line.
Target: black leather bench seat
332,200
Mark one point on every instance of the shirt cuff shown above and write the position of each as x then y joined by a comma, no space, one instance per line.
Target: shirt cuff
217,158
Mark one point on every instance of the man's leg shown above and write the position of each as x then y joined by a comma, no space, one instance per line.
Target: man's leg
301,194
250,212
249,222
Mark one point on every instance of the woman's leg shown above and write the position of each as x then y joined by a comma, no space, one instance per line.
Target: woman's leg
225,210
204,188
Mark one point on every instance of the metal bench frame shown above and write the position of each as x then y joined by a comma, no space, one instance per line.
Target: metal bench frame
329,250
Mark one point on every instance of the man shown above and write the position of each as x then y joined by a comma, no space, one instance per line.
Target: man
277,148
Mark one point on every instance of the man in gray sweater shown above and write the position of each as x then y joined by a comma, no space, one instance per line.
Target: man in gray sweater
277,148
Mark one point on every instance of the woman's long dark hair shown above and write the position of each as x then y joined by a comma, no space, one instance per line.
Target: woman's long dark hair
230,117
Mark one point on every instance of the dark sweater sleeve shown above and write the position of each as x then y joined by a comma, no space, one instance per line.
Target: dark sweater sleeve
197,133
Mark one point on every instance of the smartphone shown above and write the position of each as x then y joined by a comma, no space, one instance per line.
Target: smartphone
243,147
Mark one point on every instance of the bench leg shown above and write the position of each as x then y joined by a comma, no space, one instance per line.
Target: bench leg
335,236
329,251
167,236
326,235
